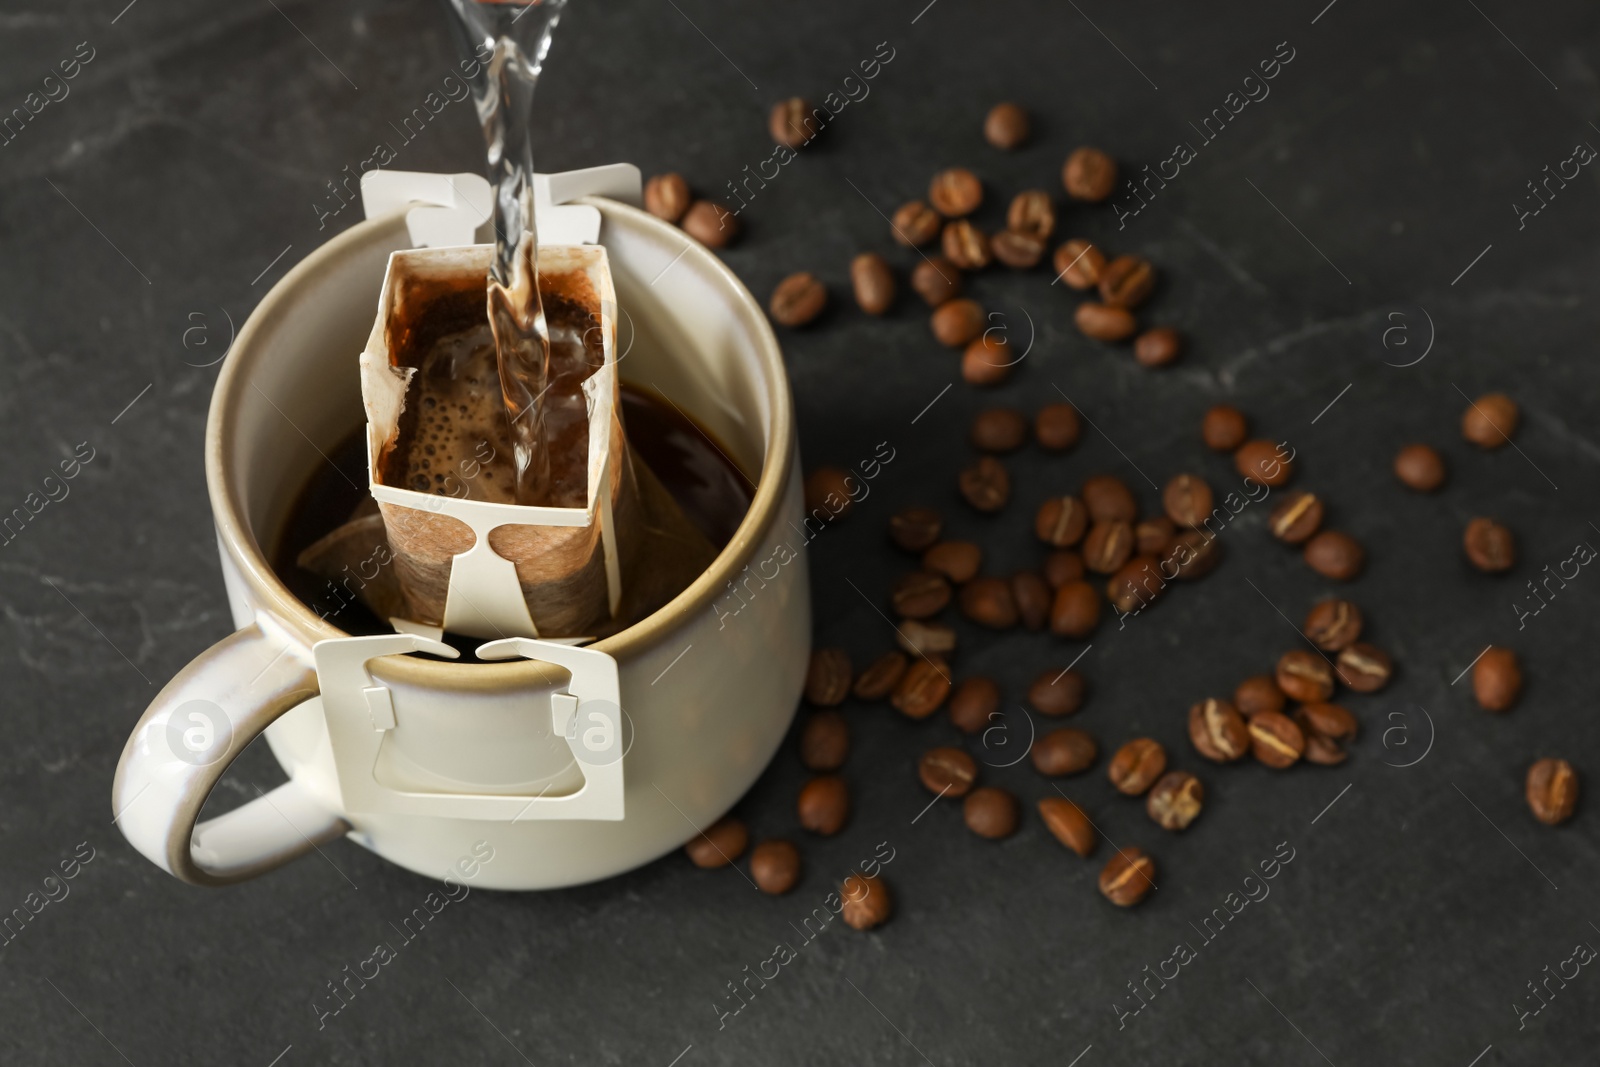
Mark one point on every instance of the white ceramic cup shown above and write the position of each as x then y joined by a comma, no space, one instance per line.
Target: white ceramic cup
708,684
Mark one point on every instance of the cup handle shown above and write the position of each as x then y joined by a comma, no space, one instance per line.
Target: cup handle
189,736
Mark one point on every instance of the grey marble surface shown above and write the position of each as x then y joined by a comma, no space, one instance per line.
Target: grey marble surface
177,178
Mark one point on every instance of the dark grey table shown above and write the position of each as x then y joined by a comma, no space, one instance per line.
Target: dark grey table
1375,187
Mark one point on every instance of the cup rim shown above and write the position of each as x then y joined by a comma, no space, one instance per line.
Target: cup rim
238,540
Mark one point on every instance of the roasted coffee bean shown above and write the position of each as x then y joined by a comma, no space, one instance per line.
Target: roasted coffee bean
710,223
1257,694
1089,174
1552,791
1490,420
936,280
999,430
1006,126
1276,740
1364,668
1068,824
1080,263
1224,428
1033,597
915,529
775,866
956,560
881,676
1064,751
948,772
1061,567
985,484
828,677
1128,877
972,703
1333,624
923,689
798,299
792,122
1031,213
987,360
1218,731
718,844
1336,555
830,493
1057,693
1104,323
957,322
1107,546
1194,554
1321,750
1262,460
1127,282
1157,347
1108,499
1056,427
920,595
1061,521
1175,800
915,224
925,638
1137,765
1490,546
1497,679
965,245
1019,251
1296,518
824,805
873,283
1304,676
1187,500
955,192
1136,584
824,741
988,602
1419,467
990,812
864,902
1153,537
666,196
1075,611
1331,720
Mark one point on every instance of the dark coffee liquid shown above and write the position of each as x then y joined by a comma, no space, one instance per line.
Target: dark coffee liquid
689,462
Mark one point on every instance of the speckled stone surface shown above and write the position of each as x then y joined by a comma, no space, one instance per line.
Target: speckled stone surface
1380,184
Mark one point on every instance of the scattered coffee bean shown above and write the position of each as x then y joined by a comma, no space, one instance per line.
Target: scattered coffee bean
923,689
1019,251
666,196
957,322
828,677
985,484
1076,610
1331,720
873,283
1032,214
865,902
1187,500
1321,750
1490,420
965,245
936,280
1136,584
955,192
987,360
824,741
1224,428
1127,282
1490,546
1552,791
1104,323
1157,347
775,866
948,772
830,493
798,300
1304,676
881,676
1128,877
1154,537
1296,518
972,703
1364,668
1061,567
999,430
1080,263
990,813
1056,693
988,602
1175,800
915,224
824,805
1218,731
1497,679
1006,126
1333,624
1276,740
1109,499
719,844
1257,694
1063,751
1137,765
710,223
792,122
1089,174
920,595
1336,555
1056,427
1068,824
1194,554
956,560
915,529
925,638
1107,546
1419,467
1261,460
1061,521
1033,597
